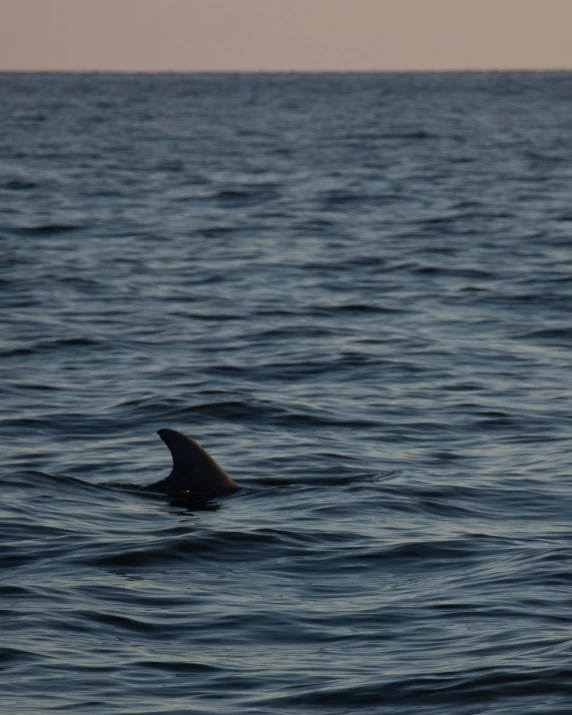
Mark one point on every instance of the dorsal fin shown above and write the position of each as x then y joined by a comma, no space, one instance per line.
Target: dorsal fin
194,470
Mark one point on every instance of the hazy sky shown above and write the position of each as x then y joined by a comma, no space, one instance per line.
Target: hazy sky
198,35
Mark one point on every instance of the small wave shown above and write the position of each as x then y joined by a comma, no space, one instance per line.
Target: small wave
247,195
48,229
18,185
10,657
367,308
226,545
42,345
413,134
472,273
443,690
550,335
182,667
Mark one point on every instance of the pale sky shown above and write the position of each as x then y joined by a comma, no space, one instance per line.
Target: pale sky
283,35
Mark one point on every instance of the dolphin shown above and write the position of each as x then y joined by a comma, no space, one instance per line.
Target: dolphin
194,473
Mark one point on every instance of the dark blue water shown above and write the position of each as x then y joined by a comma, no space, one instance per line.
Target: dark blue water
356,293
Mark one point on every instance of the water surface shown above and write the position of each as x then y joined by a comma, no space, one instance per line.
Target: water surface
355,291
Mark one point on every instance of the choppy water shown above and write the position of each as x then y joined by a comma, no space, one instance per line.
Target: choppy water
355,292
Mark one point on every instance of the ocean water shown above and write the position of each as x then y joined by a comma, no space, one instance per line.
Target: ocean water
356,292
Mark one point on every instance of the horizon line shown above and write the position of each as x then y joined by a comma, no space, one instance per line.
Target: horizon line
497,70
